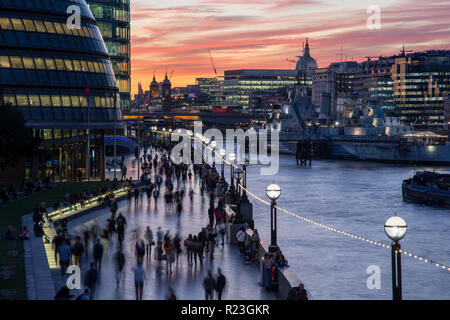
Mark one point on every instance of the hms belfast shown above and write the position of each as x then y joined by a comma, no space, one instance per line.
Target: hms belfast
380,123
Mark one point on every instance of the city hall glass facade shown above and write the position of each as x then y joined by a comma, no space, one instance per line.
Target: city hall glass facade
113,19
45,68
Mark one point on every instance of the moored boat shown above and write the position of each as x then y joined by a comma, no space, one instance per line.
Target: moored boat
427,187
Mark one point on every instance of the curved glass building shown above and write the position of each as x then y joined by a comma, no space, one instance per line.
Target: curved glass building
45,69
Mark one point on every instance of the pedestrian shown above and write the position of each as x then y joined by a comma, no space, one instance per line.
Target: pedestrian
98,254
189,248
121,223
85,295
170,255
268,263
140,251
298,293
139,277
220,284
222,231
65,256
56,242
148,237
211,216
255,245
240,237
90,279
170,294
211,241
209,284
120,262
77,251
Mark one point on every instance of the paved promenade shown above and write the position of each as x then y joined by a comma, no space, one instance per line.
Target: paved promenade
242,280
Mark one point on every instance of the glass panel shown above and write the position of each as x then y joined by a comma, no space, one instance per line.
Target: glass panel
17,24
28,63
47,134
10,98
91,66
66,101
16,62
84,65
4,62
81,32
60,64
96,66
40,64
40,26
57,133
103,100
68,64
59,28
56,101
45,101
50,27
67,30
66,133
77,65
34,100
29,25
22,100
75,101
97,101
83,101
75,32
5,23
50,63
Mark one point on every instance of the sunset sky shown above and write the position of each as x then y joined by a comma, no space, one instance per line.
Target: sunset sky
176,34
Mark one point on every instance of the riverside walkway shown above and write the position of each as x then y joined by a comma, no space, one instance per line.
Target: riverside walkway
243,281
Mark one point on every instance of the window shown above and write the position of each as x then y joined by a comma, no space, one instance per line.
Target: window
17,24
97,101
75,101
83,101
29,25
69,65
28,63
50,63
60,64
67,30
66,101
56,101
45,101
59,28
50,27
5,23
40,26
91,66
77,65
16,62
22,100
10,98
4,62
84,65
34,100
40,64
57,133
97,68
47,134
103,99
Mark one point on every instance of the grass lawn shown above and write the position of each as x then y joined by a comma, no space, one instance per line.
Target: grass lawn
12,268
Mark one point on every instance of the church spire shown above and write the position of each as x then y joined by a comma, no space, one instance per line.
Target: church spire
306,53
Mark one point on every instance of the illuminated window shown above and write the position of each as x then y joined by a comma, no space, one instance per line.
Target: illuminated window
40,64
75,101
77,65
5,23
83,101
57,133
10,99
84,65
60,64
56,101
46,101
16,62
29,25
96,66
17,24
69,65
66,101
50,27
34,100
47,134
28,63
40,26
91,66
50,63
103,100
59,28
4,62
97,101
22,100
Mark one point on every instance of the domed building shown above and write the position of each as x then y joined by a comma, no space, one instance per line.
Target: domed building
166,94
154,88
54,75
306,64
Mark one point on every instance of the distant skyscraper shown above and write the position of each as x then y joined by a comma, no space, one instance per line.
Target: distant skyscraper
113,19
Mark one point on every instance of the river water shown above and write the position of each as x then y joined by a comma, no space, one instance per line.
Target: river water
357,197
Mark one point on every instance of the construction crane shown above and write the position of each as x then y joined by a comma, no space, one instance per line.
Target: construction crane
212,62
171,74
403,51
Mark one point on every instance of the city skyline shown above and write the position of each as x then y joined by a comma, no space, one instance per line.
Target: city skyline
177,35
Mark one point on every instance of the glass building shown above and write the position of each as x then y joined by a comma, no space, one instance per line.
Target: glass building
45,70
113,18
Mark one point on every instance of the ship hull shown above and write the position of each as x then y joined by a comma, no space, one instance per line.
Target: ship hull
418,194
380,152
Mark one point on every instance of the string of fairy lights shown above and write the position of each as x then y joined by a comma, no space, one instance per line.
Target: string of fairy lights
436,264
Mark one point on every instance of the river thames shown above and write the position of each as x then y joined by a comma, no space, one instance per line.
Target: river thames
356,197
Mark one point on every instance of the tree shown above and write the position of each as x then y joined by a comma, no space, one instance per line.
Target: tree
16,139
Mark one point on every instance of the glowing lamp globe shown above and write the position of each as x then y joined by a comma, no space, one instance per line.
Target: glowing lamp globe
273,192
395,228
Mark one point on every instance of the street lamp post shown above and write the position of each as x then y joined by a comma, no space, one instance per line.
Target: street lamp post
273,192
395,228
232,158
238,174
244,193
222,153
